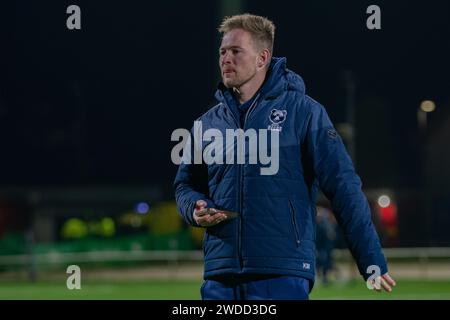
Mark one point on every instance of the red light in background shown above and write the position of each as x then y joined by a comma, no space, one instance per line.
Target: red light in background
388,215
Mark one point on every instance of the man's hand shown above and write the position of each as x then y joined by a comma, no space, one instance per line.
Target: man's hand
385,281
207,220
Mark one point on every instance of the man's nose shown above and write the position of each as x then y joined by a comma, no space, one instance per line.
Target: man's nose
225,59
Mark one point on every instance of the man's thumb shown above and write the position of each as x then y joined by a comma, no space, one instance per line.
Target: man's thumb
201,203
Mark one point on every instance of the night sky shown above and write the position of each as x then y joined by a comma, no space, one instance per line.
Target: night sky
98,105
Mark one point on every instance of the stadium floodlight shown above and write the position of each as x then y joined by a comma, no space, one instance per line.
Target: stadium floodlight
384,201
427,106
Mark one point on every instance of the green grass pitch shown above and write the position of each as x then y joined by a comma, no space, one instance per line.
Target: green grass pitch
189,289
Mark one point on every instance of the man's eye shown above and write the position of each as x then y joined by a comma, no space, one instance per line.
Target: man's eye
236,51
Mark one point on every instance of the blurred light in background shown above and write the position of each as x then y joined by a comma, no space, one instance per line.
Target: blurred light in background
108,227
427,106
74,228
142,208
384,201
388,217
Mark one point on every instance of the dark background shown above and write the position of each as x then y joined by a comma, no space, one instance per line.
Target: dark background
98,105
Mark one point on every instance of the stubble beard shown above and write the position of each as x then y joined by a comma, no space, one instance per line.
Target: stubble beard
238,83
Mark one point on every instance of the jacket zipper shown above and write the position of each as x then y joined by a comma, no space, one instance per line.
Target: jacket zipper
294,223
241,187
238,125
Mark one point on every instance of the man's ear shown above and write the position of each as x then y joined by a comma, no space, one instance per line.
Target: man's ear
263,58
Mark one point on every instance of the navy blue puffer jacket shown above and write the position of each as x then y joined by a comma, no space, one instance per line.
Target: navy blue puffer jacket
275,230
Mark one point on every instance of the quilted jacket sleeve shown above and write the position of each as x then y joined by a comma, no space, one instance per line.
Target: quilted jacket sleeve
337,178
191,185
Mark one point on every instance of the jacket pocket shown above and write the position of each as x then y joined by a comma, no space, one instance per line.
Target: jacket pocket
294,223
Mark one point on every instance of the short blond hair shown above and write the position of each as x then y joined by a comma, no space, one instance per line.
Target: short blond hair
261,29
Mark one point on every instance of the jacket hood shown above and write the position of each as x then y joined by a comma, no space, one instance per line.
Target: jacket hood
278,79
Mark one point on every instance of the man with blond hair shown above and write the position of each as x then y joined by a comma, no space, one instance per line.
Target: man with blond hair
259,240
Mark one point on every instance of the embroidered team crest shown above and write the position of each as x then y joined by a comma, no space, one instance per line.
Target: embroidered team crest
277,117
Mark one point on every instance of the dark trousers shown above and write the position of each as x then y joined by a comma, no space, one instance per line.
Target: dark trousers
255,288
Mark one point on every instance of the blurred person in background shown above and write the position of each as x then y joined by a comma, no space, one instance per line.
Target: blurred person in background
268,250
325,242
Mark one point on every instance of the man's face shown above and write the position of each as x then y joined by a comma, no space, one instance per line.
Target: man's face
238,58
